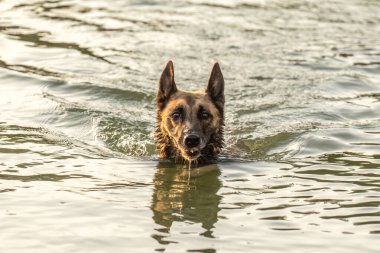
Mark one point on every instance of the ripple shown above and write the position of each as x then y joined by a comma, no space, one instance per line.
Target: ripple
302,126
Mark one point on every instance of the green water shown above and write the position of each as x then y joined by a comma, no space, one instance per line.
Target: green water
300,171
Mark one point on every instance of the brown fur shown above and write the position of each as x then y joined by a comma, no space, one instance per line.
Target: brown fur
185,116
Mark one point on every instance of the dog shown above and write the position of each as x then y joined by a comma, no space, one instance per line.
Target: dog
189,126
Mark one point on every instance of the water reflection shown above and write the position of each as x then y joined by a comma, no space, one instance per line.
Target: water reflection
180,197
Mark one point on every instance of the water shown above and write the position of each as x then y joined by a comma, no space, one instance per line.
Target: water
300,172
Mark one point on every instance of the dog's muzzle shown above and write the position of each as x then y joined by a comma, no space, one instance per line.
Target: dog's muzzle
193,145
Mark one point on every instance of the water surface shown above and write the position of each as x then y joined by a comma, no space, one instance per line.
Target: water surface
300,171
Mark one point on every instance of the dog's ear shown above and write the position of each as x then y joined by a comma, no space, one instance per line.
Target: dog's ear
166,86
215,87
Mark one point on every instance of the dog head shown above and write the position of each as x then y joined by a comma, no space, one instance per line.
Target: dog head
189,123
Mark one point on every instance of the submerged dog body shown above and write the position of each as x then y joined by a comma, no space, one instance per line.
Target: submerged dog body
190,124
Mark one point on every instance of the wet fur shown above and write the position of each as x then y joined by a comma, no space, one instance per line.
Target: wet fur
169,133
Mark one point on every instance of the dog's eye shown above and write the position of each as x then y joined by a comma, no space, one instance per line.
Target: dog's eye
205,115
176,116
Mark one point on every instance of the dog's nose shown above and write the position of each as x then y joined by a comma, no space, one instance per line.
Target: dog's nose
192,141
